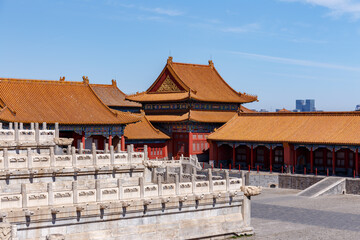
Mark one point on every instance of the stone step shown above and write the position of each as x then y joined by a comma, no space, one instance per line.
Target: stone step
323,186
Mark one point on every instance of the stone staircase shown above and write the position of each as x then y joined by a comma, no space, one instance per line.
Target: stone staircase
327,186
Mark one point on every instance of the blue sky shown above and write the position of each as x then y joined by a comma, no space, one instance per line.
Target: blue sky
280,50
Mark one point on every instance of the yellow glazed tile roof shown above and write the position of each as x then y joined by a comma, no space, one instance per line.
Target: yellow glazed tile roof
312,128
65,102
143,130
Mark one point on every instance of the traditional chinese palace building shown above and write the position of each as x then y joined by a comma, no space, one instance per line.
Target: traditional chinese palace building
81,114
303,142
187,102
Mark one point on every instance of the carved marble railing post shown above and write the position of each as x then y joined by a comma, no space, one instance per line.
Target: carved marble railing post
81,148
246,211
146,152
16,126
98,190
142,187
37,133
29,158
11,126
1,126
32,126
21,126
210,179
153,175
52,157
159,185
227,178
56,130
75,192
112,156
23,194
106,150
68,150
177,184
193,183
73,155
44,125
93,151
50,189
6,159
167,174
119,183
118,148
129,154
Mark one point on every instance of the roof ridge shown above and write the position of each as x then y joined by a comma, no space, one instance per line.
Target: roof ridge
22,80
330,113
192,64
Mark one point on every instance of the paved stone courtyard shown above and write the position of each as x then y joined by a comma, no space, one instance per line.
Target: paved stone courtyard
280,214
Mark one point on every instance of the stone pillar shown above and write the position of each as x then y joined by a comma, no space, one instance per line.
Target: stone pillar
146,157
118,148
167,174
193,182
106,149
246,211
37,133
32,126
129,152
112,156
6,159
50,188
52,157
21,126
73,155
98,190
29,158
142,187
81,148
93,152
44,125
210,179
16,127
23,194
10,126
69,150
159,185
1,125
57,134
75,192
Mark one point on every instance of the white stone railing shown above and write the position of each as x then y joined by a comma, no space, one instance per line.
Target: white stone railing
72,159
17,135
105,190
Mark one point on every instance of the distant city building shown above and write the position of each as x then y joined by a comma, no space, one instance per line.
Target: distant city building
357,108
307,105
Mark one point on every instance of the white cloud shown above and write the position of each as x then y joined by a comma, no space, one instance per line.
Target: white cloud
163,11
242,29
293,61
337,7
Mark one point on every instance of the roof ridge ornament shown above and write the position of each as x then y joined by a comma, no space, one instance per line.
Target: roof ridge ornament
211,63
85,79
170,59
62,79
113,82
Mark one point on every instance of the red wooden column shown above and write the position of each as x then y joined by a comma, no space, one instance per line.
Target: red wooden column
211,151
311,160
216,154
234,157
165,150
83,139
357,162
110,141
122,140
190,143
270,157
252,157
333,160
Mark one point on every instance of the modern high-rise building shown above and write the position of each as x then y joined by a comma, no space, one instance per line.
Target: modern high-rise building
307,105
